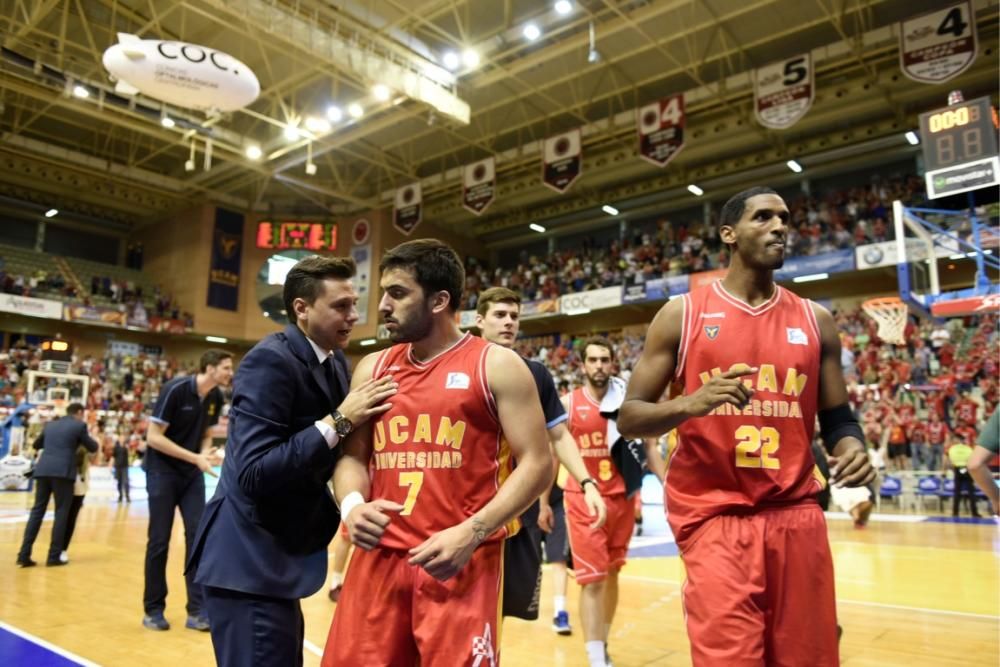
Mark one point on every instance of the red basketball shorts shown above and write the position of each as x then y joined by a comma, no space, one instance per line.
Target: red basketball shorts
393,614
760,590
596,552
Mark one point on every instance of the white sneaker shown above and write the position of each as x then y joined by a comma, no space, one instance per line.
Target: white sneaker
63,557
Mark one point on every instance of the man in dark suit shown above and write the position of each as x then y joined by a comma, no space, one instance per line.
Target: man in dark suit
54,475
262,542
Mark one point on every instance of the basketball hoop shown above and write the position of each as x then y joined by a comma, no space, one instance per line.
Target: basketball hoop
890,315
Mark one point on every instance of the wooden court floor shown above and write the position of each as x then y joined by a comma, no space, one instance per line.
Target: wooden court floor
909,594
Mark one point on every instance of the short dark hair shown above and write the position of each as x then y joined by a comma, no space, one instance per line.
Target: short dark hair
599,341
734,209
497,295
73,409
434,264
212,357
304,279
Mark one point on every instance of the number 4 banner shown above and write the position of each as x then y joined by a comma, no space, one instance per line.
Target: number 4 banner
783,92
936,46
661,130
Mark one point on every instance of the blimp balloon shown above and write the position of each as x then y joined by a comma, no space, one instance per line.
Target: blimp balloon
185,75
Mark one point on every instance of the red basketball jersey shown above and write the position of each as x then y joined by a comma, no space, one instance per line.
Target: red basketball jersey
590,430
734,460
439,450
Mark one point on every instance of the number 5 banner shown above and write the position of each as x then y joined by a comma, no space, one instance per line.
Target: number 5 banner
935,47
784,91
661,130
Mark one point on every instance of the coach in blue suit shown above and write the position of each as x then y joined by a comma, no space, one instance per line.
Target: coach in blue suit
262,542
54,475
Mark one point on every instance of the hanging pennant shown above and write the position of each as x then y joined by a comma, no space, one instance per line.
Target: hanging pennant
661,130
784,91
408,210
939,45
562,160
479,185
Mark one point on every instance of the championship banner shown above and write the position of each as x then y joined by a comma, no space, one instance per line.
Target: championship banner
784,91
661,130
29,305
479,185
224,272
362,256
562,160
939,45
408,210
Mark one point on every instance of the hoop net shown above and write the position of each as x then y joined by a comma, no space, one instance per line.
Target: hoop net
890,315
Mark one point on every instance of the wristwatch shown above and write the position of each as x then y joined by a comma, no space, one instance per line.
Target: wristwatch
588,480
341,424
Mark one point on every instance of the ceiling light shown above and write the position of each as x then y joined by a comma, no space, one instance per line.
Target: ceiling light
794,166
812,277
356,110
450,60
216,339
368,341
51,213
291,132
535,227
609,209
563,7
912,137
81,92
334,114
310,168
254,152
167,121
470,57
317,125
531,32
695,190
381,92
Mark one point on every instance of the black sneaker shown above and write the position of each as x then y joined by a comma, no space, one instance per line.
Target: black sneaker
26,562
155,622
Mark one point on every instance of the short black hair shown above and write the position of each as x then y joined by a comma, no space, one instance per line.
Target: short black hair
304,279
734,209
212,357
434,264
73,409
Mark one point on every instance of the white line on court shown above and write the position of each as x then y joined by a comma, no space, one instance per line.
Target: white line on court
44,644
312,648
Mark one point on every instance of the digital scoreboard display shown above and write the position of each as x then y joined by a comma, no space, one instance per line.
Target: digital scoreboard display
960,147
286,235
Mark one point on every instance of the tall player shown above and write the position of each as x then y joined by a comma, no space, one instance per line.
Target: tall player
424,587
757,363
498,318
598,556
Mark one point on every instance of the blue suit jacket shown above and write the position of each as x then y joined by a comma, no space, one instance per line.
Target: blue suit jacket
266,529
59,441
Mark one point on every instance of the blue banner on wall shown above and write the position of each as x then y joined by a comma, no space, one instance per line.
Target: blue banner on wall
224,272
663,288
830,262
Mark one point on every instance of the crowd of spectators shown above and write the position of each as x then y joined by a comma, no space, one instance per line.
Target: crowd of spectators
839,219
32,284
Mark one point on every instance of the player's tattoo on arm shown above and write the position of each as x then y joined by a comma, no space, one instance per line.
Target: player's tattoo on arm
479,532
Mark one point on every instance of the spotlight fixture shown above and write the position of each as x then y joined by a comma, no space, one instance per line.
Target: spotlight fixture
912,137
794,166
535,227
355,110
254,152
531,32
81,92
450,60
317,125
609,209
291,131
695,190
563,7
470,58
310,169
167,122
216,339
381,92
51,213
334,114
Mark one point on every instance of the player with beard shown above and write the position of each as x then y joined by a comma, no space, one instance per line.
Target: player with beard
757,364
598,555
498,311
426,489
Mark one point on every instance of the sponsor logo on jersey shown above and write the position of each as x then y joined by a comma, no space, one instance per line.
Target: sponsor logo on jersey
708,316
457,381
796,336
712,331
482,649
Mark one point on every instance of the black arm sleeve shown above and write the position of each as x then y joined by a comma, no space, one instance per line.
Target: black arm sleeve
837,423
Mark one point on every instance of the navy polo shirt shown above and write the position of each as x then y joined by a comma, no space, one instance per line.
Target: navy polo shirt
184,416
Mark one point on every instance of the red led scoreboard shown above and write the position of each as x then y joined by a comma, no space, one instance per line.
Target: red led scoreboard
284,235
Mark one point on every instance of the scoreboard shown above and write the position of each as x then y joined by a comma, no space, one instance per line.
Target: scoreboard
960,147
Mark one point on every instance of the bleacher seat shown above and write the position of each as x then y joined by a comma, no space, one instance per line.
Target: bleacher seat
892,487
929,487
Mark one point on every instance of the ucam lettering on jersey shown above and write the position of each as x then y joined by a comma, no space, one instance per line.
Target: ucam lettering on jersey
766,382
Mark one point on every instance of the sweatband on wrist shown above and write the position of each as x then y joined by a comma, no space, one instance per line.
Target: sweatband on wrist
352,500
